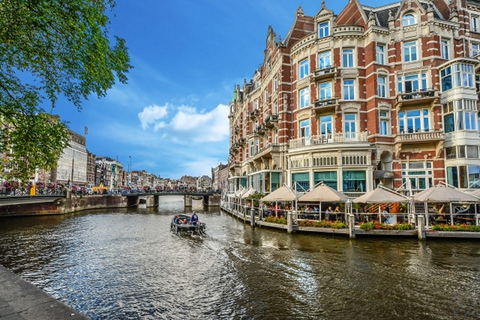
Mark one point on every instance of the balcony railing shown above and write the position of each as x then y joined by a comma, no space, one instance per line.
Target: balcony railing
413,97
331,138
423,136
323,104
254,114
325,72
270,120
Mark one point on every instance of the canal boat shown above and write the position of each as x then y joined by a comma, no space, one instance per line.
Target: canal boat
181,224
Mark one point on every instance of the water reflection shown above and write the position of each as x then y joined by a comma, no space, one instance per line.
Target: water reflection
126,264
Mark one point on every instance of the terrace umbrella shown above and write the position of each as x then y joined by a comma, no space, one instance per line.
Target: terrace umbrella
441,194
283,193
380,195
247,193
323,193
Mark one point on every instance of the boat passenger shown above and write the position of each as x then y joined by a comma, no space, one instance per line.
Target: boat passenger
194,218
175,219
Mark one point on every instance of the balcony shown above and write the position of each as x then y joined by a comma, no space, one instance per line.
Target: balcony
241,141
271,120
261,129
325,105
416,98
254,114
420,137
267,152
325,73
329,139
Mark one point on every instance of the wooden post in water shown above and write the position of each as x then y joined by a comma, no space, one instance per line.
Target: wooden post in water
351,226
252,217
421,227
289,222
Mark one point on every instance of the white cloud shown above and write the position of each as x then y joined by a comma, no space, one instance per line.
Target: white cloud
152,115
187,124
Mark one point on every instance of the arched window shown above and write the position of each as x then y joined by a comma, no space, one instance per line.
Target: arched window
409,19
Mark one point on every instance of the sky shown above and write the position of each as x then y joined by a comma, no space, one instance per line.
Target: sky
171,118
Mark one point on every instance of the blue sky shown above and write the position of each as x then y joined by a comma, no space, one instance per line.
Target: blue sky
172,116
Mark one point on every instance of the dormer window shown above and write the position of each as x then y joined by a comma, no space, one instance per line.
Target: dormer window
409,19
323,30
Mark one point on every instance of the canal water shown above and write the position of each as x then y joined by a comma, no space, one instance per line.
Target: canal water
129,265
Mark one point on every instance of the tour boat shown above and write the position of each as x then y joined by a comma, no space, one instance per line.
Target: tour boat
181,223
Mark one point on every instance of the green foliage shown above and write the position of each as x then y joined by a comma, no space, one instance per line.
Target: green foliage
273,219
48,49
256,196
322,224
456,227
383,226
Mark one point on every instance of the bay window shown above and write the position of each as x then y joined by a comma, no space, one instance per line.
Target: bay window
411,121
457,75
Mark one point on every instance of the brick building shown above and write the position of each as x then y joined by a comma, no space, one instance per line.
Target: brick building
386,94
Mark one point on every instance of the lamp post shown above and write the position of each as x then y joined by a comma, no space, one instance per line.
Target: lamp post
130,173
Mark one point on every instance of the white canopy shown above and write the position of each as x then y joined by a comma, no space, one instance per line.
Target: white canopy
281,194
442,193
248,193
324,193
380,195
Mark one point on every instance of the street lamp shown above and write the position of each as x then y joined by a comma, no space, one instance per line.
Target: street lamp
130,182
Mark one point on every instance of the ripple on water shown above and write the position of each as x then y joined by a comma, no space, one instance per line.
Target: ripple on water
128,265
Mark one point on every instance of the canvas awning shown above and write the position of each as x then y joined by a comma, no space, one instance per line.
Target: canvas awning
380,195
441,193
248,193
281,194
324,193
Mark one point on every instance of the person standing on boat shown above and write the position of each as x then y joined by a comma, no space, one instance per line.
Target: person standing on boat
194,218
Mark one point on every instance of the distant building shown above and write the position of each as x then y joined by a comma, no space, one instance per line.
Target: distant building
72,164
220,177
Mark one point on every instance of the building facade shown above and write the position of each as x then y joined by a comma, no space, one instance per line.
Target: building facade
387,94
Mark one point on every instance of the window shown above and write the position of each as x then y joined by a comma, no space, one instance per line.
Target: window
457,75
350,122
354,181
275,136
325,90
328,177
460,115
324,60
275,84
475,49
323,30
304,98
412,83
303,68
475,23
410,51
347,58
275,107
463,176
257,146
380,54
348,89
255,104
252,148
326,126
301,181
304,128
382,86
408,19
419,174
411,121
384,123
445,49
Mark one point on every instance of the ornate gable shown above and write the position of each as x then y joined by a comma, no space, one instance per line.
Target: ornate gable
352,15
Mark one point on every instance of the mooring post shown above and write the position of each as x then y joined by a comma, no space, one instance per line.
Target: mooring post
289,222
351,226
421,227
252,217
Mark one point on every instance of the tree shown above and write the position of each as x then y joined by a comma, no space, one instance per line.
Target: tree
50,48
